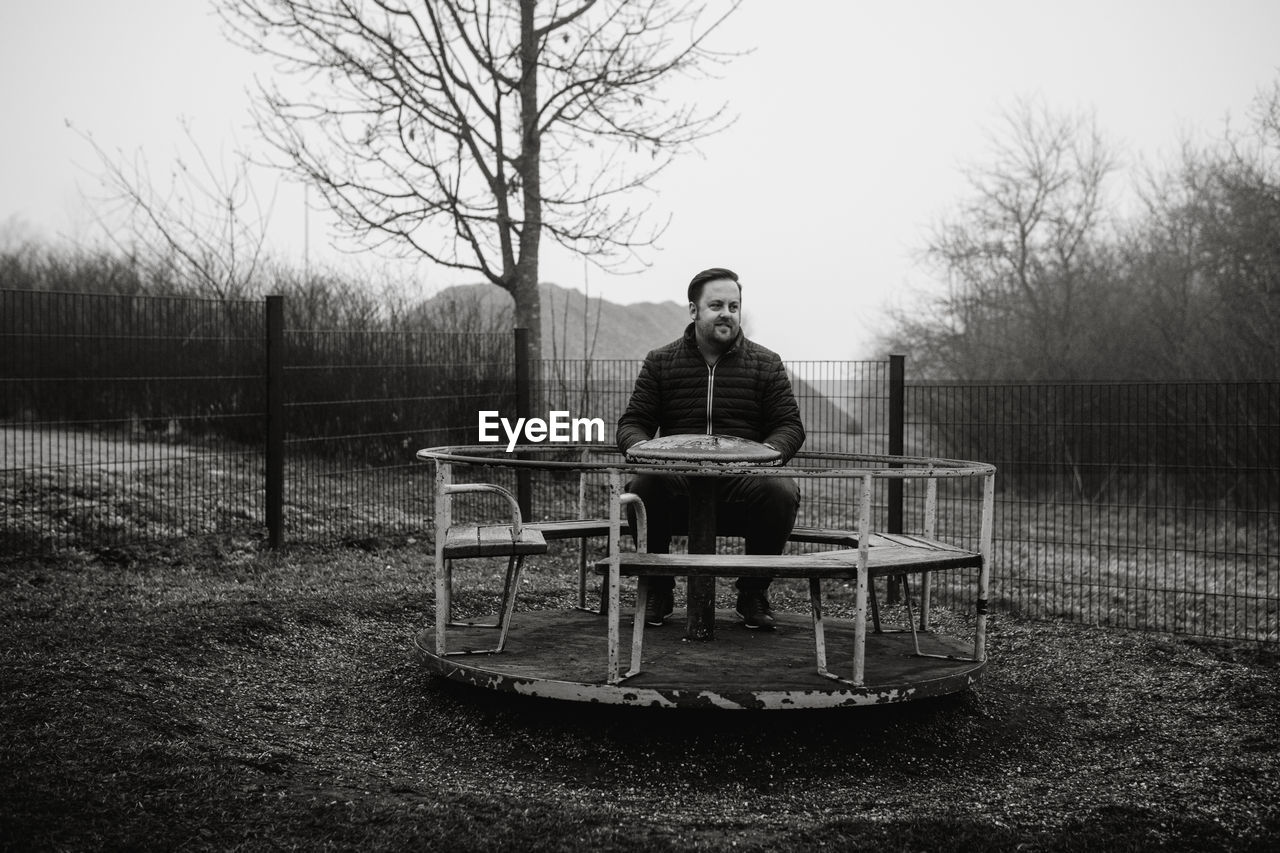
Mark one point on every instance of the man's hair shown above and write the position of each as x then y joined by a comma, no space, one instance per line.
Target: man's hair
700,280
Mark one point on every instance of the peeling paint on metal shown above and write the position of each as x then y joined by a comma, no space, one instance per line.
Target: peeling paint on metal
483,674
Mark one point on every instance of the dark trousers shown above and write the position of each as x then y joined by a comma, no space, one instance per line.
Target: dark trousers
761,509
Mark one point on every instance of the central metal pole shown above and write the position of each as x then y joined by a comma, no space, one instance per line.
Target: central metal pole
700,621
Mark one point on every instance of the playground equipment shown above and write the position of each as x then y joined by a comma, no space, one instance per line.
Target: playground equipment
810,661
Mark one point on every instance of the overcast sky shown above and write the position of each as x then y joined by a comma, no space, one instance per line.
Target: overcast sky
855,120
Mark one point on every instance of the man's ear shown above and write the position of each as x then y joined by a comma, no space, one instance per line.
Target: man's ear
693,310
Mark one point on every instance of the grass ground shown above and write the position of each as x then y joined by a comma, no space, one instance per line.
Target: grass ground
213,696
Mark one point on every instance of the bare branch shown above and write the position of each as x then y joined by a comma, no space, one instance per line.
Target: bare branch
461,130
206,232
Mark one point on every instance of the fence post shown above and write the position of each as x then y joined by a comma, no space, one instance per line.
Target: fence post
897,419
275,421
524,487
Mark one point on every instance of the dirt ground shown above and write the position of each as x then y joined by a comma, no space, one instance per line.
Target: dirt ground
217,697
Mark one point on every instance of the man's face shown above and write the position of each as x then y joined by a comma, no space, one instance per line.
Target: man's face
716,314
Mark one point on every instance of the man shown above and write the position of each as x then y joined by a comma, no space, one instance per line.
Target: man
715,381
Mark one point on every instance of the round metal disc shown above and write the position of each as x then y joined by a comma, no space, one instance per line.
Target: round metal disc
696,447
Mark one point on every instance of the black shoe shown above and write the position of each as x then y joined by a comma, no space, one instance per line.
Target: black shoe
753,607
659,606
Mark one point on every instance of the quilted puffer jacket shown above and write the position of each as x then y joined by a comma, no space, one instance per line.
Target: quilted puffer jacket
746,394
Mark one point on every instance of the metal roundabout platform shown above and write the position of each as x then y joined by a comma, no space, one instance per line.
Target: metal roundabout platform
705,658
562,655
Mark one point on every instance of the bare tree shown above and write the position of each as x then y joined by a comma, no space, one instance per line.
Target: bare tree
205,230
1043,283
1204,262
1238,218
1019,256
561,363
462,130
1161,250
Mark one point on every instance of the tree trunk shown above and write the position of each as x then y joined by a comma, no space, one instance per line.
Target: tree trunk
525,287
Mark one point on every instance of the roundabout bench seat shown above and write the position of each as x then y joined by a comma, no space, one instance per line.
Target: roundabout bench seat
581,529
514,540
492,540
886,554
585,528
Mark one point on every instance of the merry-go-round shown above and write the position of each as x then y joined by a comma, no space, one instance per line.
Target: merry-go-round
704,658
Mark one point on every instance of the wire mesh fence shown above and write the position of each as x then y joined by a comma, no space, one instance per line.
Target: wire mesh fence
845,408
1135,505
357,408
133,419
128,419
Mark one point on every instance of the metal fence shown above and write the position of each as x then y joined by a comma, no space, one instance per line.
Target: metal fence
135,419
1135,505
128,419
357,406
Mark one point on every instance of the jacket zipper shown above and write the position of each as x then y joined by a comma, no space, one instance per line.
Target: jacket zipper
711,384
711,387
